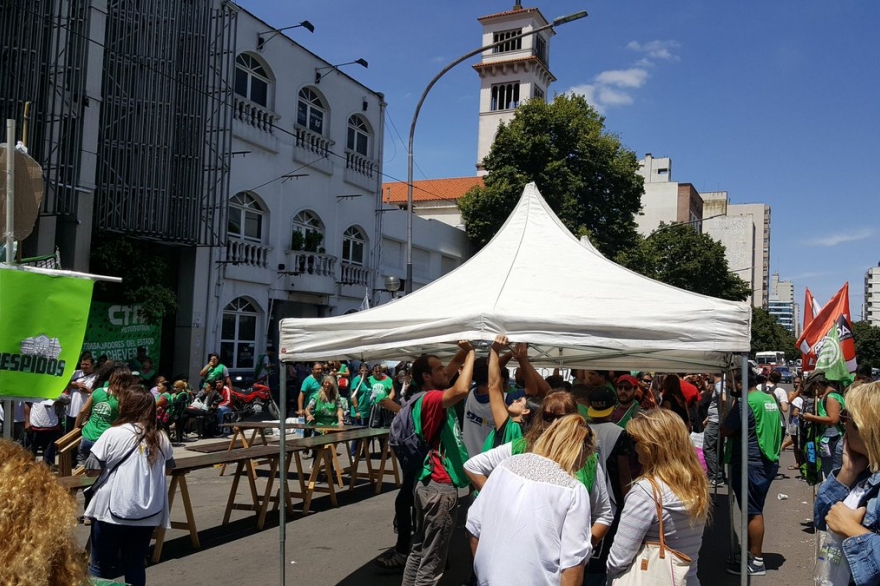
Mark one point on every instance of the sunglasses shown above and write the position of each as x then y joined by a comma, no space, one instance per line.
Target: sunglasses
551,417
647,380
845,418
625,387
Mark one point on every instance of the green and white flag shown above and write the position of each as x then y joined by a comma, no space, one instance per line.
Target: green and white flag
832,352
42,322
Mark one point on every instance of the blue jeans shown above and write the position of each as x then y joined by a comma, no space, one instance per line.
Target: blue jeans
221,411
126,544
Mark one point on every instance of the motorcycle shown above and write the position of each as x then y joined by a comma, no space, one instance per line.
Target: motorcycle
252,401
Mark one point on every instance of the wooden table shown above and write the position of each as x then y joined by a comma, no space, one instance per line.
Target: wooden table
74,484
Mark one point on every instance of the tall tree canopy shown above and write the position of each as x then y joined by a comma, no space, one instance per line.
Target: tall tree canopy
867,338
679,255
767,334
583,172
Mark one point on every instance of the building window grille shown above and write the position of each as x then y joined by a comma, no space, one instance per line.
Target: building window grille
354,244
246,217
509,45
251,80
238,339
505,96
358,135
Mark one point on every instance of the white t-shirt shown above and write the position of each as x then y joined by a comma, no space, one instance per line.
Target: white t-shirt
78,398
531,499
478,423
137,477
782,397
43,414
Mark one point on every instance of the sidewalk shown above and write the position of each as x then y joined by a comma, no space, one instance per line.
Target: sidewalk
338,545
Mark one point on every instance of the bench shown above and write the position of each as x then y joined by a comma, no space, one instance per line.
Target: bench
66,445
74,484
243,458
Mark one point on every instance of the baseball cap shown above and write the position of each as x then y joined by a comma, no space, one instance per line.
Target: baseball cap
628,379
602,402
512,396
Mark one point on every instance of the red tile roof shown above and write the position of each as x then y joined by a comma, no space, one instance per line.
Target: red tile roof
505,13
429,189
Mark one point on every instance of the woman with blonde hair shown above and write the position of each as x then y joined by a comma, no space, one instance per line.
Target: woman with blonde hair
669,465
847,504
38,520
326,406
536,497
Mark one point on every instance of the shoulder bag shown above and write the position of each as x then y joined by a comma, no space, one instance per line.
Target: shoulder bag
656,564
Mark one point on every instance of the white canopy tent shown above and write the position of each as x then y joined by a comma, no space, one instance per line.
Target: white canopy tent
536,283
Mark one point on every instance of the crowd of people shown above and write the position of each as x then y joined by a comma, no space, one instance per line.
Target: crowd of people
588,466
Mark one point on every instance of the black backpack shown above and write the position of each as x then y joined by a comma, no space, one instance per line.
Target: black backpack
409,447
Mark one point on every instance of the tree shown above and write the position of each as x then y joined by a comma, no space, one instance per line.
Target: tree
767,334
867,338
679,255
146,276
584,173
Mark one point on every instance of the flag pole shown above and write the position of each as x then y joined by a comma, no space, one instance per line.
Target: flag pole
8,415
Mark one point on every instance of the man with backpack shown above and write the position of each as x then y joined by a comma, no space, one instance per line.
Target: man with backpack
440,473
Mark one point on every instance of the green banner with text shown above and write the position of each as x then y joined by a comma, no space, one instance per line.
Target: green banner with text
117,331
42,322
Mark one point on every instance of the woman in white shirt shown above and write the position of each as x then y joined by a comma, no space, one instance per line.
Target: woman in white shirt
668,459
528,524
130,499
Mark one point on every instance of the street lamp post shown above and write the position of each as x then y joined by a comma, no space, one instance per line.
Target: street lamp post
412,129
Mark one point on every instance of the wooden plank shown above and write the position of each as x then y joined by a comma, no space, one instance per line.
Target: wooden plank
75,483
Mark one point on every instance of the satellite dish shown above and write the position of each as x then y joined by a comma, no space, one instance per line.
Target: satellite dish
28,192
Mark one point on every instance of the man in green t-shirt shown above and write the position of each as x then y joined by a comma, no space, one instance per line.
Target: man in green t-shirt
311,385
764,444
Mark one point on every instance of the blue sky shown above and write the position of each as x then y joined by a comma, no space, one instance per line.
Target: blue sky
773,102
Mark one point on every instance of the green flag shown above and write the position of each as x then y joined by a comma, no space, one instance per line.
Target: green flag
831,355
42,322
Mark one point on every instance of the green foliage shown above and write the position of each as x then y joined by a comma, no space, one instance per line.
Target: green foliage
584,173
678,255
143,271
767,334
867,338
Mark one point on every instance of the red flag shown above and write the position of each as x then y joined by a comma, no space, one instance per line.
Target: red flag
808,359
835,315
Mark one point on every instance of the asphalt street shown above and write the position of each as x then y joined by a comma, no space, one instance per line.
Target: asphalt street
338,545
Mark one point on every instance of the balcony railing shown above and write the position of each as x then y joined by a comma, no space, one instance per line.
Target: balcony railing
257,116
359,164
312,142
240,252
313,263
351,274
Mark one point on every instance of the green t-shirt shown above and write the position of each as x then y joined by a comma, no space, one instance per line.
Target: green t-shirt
105,410
380,387
830,430
510,431
768,425
309,387
325,412
360,389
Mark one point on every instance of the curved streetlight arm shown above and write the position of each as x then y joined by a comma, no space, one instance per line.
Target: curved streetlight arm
412,128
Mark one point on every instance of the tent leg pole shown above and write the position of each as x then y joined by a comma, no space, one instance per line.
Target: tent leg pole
282,480
744,471
8,412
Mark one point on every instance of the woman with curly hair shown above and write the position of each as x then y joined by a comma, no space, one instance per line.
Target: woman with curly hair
536,497
670,470
130,499
38,519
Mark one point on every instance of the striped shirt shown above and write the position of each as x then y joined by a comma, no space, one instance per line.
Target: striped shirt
638,524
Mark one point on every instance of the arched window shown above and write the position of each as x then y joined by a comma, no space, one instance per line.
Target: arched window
358,135
245,218
354,244
310,110
307,232
238,340
251,79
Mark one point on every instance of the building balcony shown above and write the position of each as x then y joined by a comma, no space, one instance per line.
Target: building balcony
254,124
247,261
313,149
352,274
313,272
360,171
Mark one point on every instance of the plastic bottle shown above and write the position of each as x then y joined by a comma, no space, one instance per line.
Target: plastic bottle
828,562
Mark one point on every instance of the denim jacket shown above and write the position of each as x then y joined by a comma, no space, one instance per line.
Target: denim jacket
863,551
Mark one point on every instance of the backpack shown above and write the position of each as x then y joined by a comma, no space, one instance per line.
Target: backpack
409,446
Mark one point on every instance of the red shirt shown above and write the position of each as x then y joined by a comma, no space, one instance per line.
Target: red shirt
433,420
690,392
226,394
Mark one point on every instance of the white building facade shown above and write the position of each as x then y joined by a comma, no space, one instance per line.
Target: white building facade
781,304
665,201
871,311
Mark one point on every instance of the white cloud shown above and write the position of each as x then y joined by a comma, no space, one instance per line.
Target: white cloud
662,50
850,236
438,59
628,78
614,87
